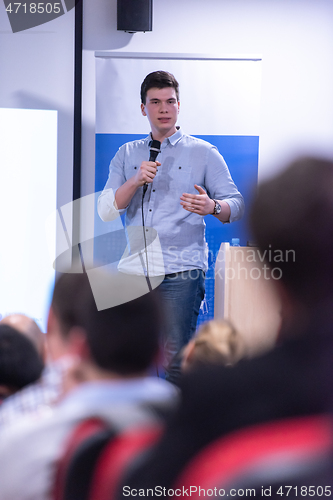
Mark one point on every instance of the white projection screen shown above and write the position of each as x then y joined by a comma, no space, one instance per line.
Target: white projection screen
28,180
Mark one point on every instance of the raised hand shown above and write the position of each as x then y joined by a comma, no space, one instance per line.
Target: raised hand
198,203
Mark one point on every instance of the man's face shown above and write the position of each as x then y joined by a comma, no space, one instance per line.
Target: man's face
162,110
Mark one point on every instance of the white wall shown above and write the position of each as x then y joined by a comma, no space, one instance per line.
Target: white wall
295,39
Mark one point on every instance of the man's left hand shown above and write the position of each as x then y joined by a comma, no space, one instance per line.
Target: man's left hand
198,203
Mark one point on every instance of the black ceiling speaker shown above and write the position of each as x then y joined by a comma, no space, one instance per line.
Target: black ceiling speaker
134,15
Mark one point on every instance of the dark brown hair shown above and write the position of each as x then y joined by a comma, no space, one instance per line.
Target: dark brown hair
292,220
159,80
123,339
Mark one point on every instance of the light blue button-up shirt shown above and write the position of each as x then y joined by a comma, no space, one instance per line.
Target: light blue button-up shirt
185,161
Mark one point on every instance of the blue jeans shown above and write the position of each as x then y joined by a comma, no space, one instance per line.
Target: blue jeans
182,294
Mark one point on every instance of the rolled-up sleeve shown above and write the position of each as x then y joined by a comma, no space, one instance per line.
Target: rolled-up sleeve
220,186
105,205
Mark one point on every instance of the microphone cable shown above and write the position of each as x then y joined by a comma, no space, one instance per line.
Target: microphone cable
145,241
154,151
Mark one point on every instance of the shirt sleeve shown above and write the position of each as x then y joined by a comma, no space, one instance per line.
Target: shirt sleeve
105,205
220,186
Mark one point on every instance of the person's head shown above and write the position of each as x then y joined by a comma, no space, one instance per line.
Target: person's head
62,316
20,363
292,221
123,339
28,327
159,80
216,342
160,103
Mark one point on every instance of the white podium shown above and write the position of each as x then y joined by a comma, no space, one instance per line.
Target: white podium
245,295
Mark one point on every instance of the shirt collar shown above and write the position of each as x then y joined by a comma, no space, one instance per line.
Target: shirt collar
126,391
173,139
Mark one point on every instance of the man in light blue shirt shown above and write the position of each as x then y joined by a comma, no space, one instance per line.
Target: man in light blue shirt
189,180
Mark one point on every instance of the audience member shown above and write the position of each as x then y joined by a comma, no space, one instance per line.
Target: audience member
39,397
28,327
216,342
20,363
292,221
114,349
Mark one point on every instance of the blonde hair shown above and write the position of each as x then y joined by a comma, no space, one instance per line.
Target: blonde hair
217,342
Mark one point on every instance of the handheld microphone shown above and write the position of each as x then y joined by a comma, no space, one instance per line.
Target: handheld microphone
154,150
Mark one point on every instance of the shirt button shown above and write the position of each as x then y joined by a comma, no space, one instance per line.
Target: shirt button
153,190
150,210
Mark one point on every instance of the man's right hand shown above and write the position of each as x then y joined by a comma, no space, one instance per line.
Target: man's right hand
146,172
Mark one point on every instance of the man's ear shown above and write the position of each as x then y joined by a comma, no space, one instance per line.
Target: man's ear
50,321
56,345
77,343
143,111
